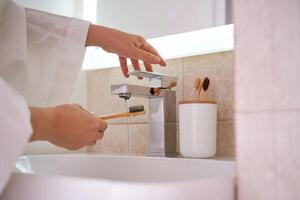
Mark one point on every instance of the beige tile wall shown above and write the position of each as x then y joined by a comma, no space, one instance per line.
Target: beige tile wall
217,66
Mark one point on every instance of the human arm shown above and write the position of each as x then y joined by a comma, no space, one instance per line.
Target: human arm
69,36
125,45
68,126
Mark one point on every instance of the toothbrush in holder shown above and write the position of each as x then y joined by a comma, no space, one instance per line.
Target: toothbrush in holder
198,86
205,87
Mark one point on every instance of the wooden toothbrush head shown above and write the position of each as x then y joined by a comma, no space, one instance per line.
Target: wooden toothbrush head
206,84
198,86
197,83
205,87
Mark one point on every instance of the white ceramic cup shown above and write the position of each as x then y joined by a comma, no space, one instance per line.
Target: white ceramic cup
197,128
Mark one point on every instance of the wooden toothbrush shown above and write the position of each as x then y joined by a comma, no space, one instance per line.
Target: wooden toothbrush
198,86
199,90
133,111
205,88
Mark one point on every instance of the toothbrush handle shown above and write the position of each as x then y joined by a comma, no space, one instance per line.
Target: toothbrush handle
121,115
199,91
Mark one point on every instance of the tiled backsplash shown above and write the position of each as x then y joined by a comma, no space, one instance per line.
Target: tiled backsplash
133,139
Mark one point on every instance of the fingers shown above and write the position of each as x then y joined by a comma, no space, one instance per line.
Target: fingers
147,47
97,132
148,67
141,43
102,125
100,135
92,143
124,67
136,65
140,50
147,57
93,137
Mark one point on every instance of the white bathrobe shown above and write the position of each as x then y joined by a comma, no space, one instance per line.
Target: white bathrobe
40,56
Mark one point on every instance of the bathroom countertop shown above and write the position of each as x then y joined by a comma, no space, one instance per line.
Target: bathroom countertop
224,158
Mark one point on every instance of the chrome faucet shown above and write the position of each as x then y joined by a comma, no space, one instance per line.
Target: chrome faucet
162,110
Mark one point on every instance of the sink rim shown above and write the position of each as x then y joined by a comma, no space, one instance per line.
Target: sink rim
214,159
122,182
35,186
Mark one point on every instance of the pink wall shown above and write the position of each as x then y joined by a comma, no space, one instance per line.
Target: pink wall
267,101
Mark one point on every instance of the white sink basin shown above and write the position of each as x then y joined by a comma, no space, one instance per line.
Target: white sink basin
90,177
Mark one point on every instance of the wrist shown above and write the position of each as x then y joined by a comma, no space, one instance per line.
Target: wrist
95,36
42,120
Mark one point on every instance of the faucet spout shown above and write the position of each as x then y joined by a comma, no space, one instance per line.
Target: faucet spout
126,91
125,96
162,115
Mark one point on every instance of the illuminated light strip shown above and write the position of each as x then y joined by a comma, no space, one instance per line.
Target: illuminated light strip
90,10
199,42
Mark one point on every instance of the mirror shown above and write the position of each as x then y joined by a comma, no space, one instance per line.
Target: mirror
160,18
175,28
150,19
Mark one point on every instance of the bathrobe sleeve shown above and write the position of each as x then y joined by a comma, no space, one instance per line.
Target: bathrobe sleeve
41,54
56,48
15,129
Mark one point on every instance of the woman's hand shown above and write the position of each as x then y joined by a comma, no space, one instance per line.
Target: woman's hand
125,45
68,126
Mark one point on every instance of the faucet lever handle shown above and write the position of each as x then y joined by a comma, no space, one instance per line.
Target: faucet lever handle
156,80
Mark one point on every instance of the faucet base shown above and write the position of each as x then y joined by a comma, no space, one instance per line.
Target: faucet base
163,154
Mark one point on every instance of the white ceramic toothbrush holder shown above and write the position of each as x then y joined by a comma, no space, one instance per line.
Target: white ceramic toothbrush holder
198,128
